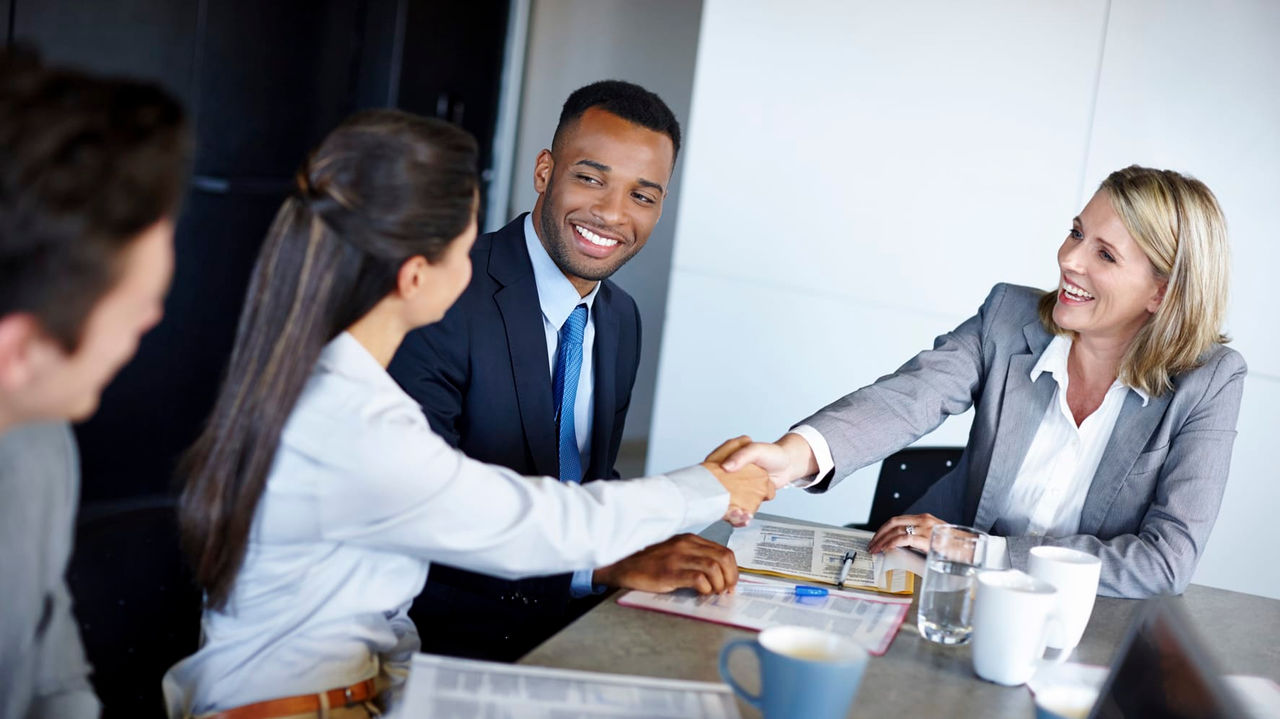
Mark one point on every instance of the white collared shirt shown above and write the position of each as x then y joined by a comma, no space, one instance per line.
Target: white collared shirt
558,297
1049,491
361,498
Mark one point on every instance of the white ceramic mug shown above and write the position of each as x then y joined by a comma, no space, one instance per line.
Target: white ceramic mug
1075,575
1012,616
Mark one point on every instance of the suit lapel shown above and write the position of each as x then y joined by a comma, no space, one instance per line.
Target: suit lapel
517,301
1133,428
605,369
1022,409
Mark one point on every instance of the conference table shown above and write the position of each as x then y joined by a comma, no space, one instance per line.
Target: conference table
914,678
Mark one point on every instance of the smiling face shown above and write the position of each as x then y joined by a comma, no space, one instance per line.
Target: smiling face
50,383
600,194
1108,288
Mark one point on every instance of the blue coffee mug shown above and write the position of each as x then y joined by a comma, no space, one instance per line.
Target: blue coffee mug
803,672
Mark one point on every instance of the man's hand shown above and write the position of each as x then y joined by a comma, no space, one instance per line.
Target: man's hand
745,486
685,560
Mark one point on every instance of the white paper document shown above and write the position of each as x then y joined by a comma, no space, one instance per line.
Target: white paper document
814,553
449,688
869,620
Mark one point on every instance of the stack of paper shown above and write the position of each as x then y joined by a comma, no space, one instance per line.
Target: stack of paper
448,688
815,554
869,620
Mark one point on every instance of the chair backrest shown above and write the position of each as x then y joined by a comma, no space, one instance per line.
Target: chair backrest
135,600
904,478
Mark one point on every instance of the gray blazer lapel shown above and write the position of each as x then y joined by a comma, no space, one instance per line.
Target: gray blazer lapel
1020,415
1133,428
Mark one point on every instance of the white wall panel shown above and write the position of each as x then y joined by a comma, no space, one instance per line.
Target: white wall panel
1195,87
1248,516
887,151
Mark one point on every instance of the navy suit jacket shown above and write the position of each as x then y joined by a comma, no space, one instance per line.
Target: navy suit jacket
482,379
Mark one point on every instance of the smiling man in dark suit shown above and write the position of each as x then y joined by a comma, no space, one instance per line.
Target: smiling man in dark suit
533,368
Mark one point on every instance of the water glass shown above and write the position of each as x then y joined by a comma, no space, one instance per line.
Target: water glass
950,583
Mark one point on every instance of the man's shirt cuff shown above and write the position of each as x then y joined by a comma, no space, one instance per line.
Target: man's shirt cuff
582,586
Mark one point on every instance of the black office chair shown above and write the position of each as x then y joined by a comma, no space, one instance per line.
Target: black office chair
904,478
136,602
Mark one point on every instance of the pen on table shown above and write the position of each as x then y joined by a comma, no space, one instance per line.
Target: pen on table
845,567
799,590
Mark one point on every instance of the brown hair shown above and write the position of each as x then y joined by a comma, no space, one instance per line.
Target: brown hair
1176,221
384,187
86,164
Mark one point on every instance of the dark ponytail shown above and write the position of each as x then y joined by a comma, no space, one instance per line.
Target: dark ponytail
384,187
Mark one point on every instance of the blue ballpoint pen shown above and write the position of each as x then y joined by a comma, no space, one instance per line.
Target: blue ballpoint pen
773,590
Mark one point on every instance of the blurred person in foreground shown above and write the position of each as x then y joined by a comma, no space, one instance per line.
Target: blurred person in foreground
91,173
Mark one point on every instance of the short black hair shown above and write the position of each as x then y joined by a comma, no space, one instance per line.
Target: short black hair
87,164
626,100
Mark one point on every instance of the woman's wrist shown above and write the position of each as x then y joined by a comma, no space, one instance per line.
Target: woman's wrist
801,462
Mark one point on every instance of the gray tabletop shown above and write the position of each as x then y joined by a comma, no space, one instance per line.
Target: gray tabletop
915,678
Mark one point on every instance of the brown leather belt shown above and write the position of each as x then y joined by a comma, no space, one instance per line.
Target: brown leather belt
301,704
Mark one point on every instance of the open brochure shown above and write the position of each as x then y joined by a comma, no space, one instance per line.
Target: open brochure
869,619
815,553
448,688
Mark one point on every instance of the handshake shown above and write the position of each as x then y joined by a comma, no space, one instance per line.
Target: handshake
752,472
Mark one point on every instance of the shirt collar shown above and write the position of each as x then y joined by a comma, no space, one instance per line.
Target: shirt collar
556,294
1054,361
345,355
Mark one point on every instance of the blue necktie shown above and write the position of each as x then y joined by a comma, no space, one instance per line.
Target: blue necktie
565,389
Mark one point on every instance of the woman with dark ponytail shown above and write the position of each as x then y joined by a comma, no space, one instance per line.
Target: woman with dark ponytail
318,495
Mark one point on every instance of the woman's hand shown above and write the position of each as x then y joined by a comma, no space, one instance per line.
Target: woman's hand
748,486
895,533
786,460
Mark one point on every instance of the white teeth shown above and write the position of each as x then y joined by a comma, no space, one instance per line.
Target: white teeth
593,238
1076,292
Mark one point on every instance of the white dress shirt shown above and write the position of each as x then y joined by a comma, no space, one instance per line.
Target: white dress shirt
1049,490
362,497
558,297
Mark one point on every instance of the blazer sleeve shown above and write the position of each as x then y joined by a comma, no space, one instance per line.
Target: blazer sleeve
1162,556
432,366
873,422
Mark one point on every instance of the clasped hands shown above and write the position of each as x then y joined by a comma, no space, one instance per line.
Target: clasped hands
791,458
752,472
687,560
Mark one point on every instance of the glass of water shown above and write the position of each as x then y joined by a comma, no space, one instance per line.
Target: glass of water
950,582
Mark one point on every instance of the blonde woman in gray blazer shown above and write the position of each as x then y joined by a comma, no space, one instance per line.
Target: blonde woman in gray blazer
1104,411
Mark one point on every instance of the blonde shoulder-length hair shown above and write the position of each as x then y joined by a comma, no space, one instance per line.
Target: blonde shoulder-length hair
1177,222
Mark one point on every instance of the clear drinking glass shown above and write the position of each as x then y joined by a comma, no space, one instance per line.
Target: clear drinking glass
950,583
